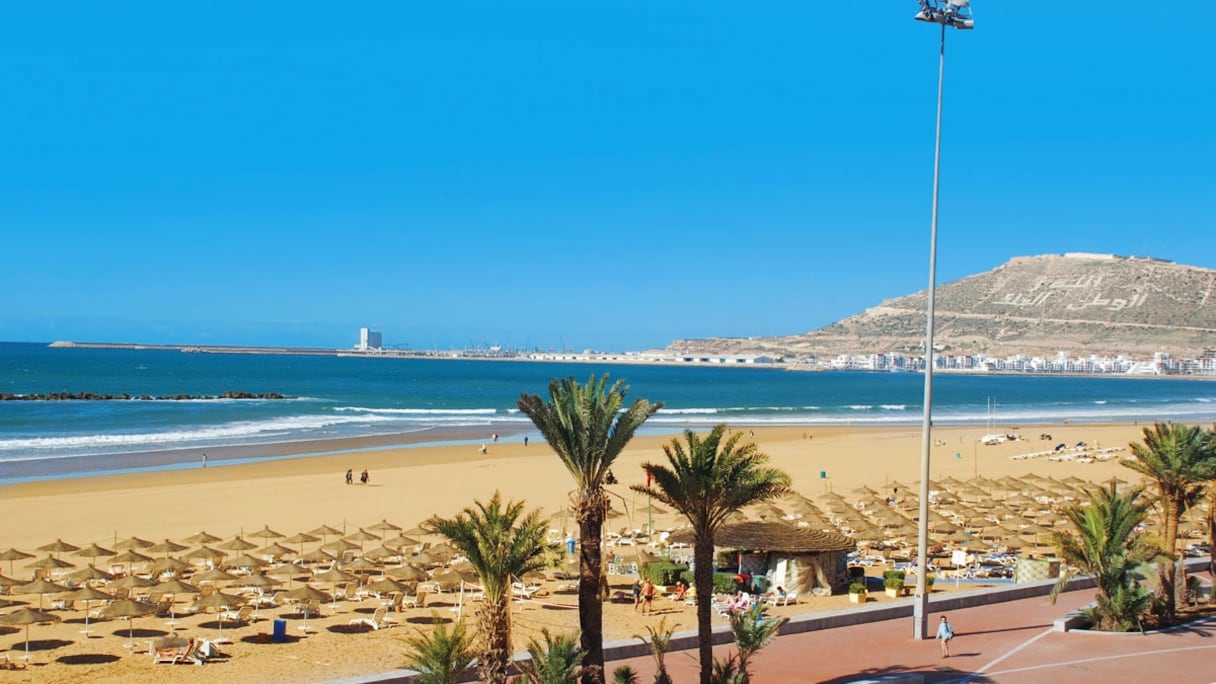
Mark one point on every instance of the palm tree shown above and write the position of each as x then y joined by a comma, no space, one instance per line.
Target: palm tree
501,543
753,632
1179,459
1105,545
441,656
555,659
586,426
706,482
659,645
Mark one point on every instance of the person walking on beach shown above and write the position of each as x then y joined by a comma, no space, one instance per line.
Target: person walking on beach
525,440
350,475
637,594
944,634
648,591
364,477
204,459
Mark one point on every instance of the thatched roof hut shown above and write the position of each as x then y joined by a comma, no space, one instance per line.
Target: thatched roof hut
801,559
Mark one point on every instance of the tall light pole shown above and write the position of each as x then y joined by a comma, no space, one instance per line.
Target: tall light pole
957,14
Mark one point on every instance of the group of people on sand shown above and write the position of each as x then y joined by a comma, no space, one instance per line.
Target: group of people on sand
643,596
364,477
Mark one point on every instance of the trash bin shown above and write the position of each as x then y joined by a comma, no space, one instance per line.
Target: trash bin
280,631
570,546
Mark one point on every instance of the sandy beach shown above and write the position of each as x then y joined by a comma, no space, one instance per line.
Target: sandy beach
406,487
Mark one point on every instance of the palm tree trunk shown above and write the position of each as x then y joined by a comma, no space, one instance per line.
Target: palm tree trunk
703,579
1169,575
590,606
495,661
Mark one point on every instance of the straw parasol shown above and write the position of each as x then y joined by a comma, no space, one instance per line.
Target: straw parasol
325,531
172,588
400,541
237,543
384,526
50,563
305,594
388,585
300,538
94,551
267,533
221,601
26,617
132,582
362,536
39,586
204,553
132,543
59,546
89,573
275,550
87,594
131,556
201,537
214,575
167,564
318,556
408,573
128,609
166,547
13,554
339,545
244,561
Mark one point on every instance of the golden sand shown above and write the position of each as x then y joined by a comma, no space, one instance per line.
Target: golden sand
406,487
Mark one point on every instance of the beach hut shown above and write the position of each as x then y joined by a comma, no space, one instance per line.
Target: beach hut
799,559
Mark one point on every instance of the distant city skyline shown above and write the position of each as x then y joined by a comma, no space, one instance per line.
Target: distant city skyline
590,175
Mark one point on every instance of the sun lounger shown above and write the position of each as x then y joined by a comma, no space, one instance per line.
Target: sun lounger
379,620
189,652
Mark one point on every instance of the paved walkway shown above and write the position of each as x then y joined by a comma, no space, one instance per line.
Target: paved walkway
1005,643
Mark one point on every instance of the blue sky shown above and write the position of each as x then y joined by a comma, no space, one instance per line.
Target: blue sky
572,174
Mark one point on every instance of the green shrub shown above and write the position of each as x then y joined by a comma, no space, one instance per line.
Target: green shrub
857,588
663,573
724,583
928,582
893,579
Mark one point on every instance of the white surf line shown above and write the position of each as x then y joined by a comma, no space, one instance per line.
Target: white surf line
1015,649
1118,656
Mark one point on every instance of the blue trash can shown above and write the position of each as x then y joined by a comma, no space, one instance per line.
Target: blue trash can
570,546
280,631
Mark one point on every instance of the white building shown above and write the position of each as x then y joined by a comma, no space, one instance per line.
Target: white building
369,339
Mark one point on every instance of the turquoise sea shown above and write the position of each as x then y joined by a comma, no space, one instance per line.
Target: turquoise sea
430,400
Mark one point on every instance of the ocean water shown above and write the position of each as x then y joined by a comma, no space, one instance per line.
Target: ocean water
441,400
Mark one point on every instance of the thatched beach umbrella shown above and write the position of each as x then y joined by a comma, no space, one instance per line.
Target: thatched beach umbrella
318,556
400,541
384,526
132,543
87,594
166,547
213,575
339,545
59,546
244,560
167,564
362,536
50,563
204,553
131,556
300,538
325,531
94,551
201,537
267,533
275,551
24,617
408,573
39,586
128,609
89,573
237,543
13,554
305,594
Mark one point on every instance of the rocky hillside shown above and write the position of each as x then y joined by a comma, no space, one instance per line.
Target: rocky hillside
1080,303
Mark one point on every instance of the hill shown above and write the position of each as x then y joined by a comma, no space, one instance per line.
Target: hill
1080,303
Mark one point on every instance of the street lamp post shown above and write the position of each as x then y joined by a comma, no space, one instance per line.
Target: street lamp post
957,14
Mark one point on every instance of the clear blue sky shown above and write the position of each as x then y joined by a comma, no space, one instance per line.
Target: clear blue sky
581,174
